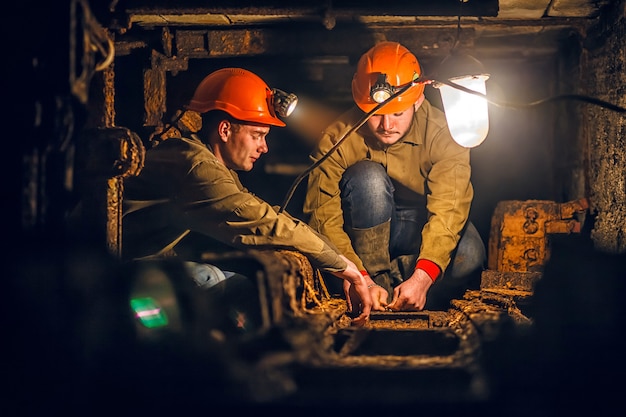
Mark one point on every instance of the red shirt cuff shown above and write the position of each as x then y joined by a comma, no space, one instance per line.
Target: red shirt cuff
429,267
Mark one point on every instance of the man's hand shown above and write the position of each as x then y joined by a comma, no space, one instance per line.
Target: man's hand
380,296
358,295
411,294
378,293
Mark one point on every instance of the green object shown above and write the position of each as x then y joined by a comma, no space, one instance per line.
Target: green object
149,312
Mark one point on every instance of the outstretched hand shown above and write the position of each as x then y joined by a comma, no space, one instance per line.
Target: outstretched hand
380,296
357,294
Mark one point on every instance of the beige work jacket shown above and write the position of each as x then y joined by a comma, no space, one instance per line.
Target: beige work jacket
184,188
426,165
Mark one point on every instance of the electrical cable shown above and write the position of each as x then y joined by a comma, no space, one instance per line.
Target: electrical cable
504,104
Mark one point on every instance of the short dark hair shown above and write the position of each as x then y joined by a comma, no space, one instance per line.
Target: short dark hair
211,119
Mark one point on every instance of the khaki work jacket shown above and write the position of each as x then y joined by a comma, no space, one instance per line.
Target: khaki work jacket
184,189
426,167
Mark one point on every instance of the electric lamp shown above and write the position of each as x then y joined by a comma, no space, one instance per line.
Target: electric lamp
466,113
284,103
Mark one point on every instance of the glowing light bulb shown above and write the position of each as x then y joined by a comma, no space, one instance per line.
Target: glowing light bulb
467,114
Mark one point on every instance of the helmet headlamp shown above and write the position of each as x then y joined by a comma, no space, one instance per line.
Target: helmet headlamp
284,103
381,90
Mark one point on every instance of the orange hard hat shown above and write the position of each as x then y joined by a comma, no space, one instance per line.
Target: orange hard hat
238,92
399,65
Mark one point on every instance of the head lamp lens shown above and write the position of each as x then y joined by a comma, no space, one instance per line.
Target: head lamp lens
381,90
284,103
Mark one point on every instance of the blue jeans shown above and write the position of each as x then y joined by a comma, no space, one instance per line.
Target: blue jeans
367,196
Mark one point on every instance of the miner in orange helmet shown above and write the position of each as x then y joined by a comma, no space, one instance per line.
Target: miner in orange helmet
188,199
395,196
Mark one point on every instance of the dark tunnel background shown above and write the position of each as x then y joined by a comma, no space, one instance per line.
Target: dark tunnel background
67,347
